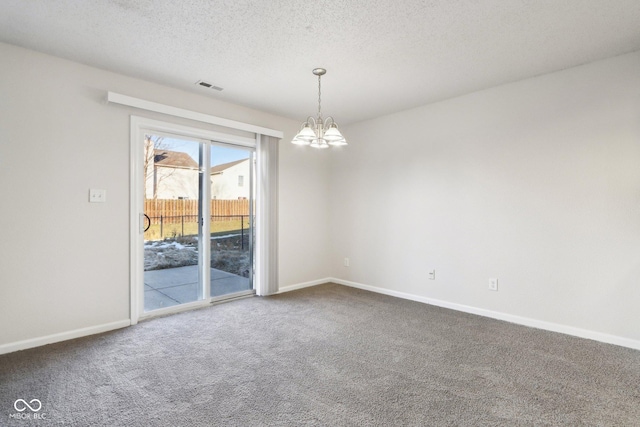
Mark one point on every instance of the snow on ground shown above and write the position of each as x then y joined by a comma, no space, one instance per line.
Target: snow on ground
227,254
226,236
165,245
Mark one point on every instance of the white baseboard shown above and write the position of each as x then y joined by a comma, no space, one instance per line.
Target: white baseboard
525,321
304,285
63,336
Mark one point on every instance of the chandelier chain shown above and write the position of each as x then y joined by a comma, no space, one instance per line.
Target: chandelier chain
319,98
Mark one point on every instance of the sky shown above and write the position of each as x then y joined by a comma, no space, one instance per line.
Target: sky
219,154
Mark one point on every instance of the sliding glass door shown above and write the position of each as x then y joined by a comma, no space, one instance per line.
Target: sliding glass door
232,222
198,220
173,185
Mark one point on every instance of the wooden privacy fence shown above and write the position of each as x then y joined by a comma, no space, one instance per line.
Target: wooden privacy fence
173,210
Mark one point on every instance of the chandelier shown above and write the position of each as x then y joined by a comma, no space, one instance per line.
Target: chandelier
317,132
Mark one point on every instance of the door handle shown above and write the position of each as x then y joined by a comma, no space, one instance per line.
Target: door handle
145,226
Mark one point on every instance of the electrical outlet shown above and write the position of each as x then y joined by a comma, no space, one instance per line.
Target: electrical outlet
432,275
493,284
346,262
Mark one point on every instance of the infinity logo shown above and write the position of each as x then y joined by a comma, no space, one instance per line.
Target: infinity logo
25,405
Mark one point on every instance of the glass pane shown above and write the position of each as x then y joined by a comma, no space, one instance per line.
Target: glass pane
231,220
172,184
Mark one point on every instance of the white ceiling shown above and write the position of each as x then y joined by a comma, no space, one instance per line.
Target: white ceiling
382,56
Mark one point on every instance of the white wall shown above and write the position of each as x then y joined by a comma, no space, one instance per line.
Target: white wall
224,185
304,211
64,263
536,183
172,183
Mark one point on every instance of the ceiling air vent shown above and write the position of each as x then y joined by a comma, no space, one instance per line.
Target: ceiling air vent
208,85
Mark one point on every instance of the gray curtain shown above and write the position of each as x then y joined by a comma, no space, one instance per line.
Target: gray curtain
266,275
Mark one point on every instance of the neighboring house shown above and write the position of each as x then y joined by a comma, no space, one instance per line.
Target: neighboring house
174,175
231,181
171,175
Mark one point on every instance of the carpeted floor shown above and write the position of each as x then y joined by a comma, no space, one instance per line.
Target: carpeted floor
327,355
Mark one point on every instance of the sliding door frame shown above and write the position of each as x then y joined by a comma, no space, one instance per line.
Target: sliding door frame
140,126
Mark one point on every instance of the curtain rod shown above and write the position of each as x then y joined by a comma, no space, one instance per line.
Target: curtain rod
143,104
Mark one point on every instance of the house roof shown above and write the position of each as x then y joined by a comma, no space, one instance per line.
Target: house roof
174,159
221,168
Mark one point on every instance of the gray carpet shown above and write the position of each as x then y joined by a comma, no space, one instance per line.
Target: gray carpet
327,355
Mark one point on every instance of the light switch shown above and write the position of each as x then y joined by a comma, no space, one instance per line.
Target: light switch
97,195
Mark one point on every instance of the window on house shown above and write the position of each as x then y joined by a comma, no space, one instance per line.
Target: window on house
240,180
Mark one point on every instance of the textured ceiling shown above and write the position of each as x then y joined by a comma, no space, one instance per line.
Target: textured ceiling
381,56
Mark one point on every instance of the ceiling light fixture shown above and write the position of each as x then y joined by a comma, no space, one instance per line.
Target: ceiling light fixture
317,132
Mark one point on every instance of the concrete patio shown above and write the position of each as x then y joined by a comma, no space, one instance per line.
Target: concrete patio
173,286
